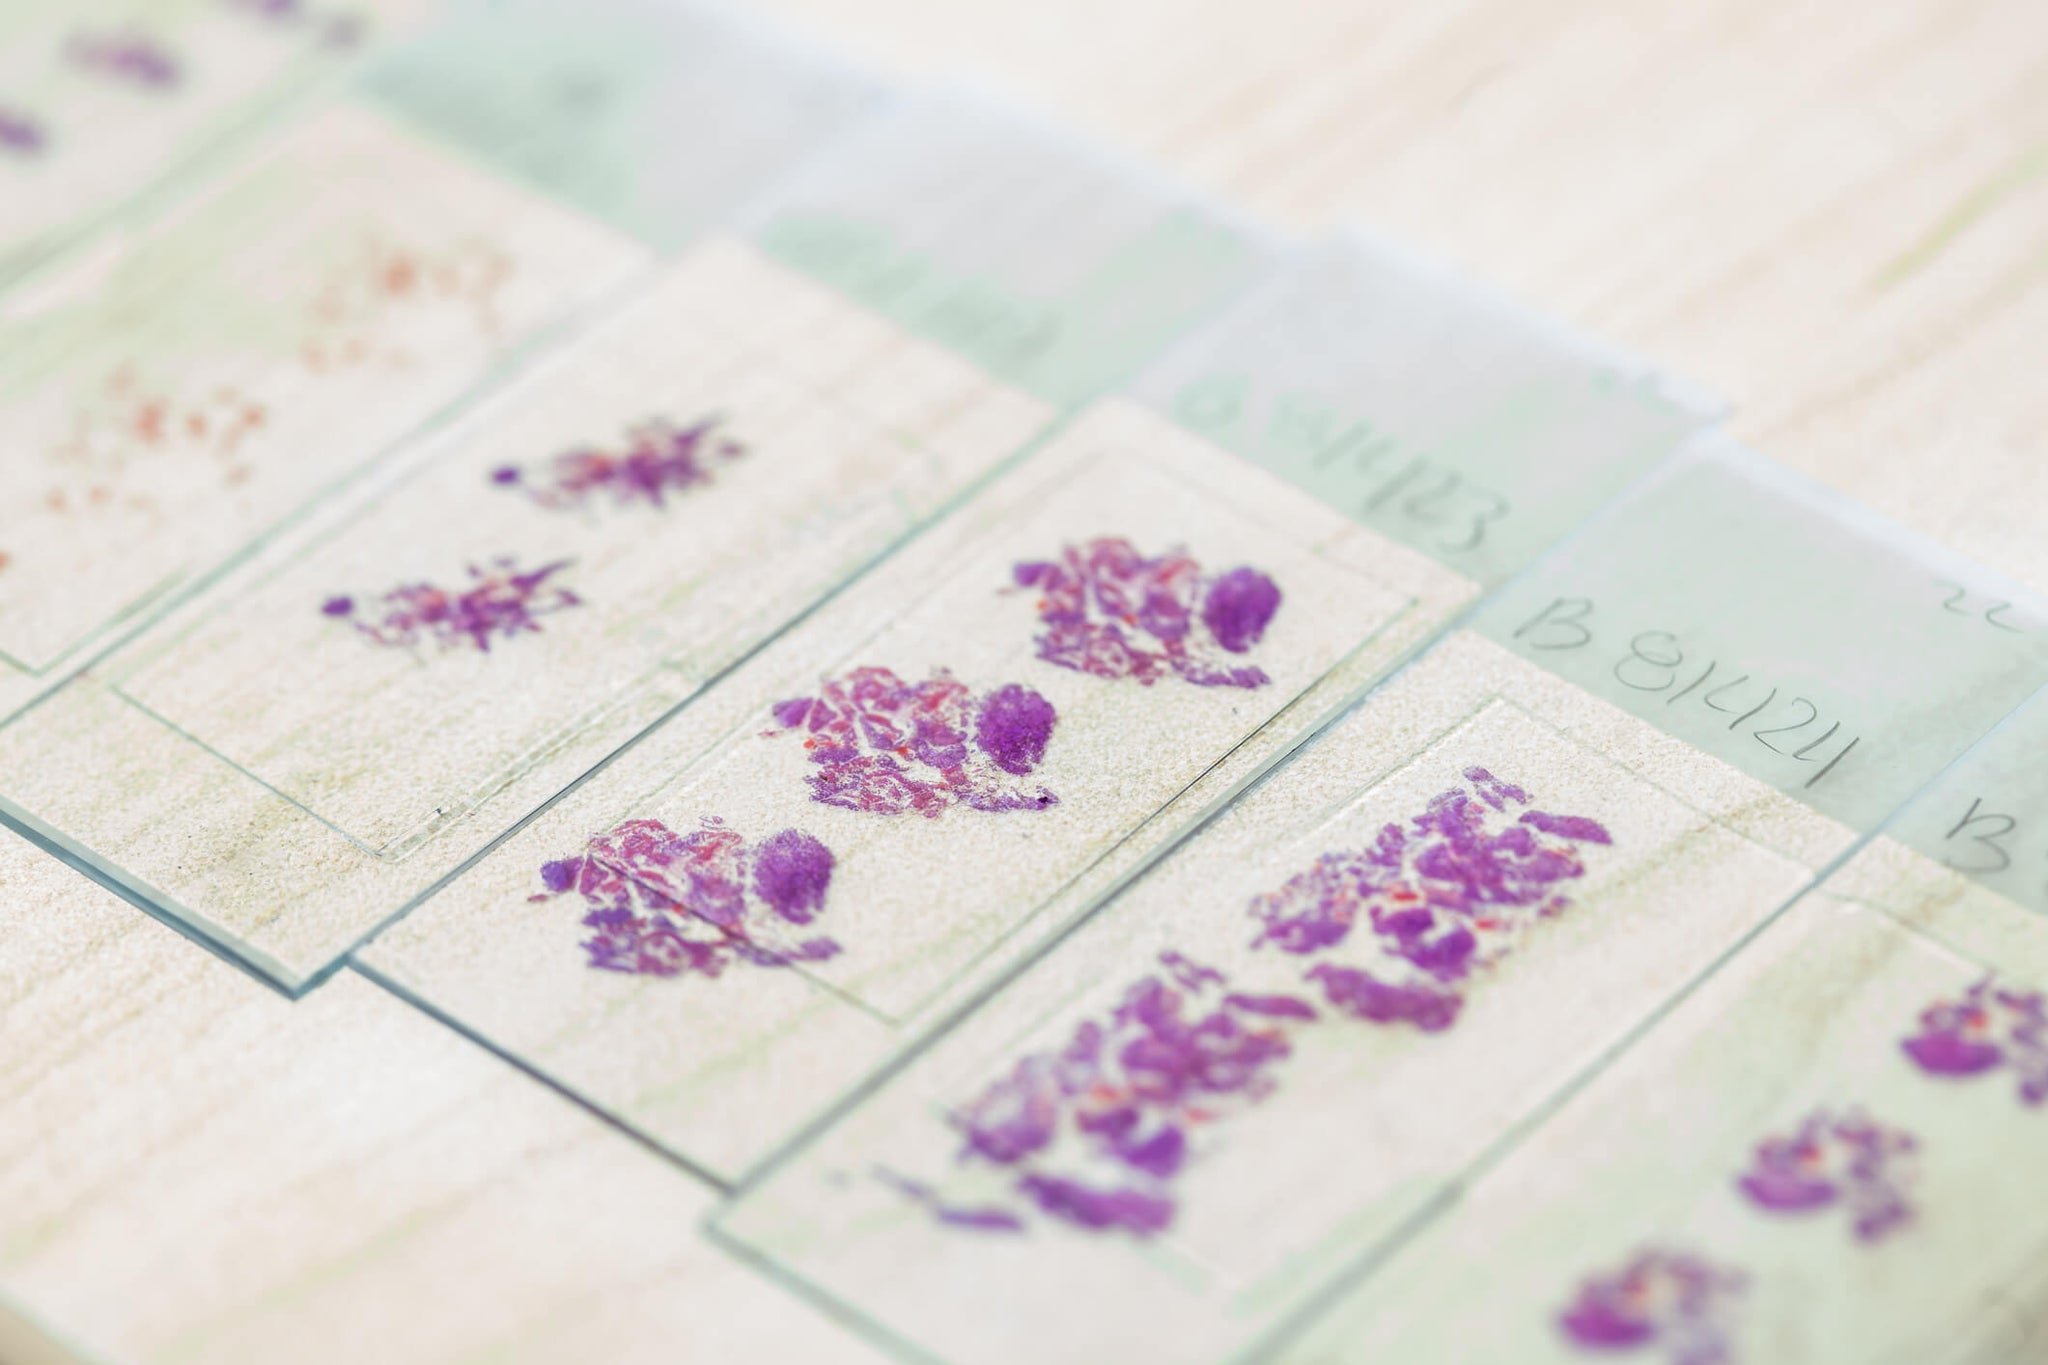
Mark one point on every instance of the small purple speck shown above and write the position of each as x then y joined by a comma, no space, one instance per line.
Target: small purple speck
1679,1304
1574,827
134,58
1360,996
21,133
657,462
338,606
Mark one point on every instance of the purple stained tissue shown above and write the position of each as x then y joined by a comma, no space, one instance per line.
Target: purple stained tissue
1093,1134
1847,1161
501,602
131,58
1990,1028
1106,610
336,27
661,903
1662,1305
884,746
21,134
657,462
1401,926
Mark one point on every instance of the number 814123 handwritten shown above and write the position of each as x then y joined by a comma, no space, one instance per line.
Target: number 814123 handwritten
1656,662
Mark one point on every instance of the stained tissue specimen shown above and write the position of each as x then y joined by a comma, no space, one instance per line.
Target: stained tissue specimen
1111,612
1663,1304
1843,1161
501,602
130,58
130,421
659,460
1439,898
1095,1133
885,746
21,133
662,903
385,285
334,27
1991,1026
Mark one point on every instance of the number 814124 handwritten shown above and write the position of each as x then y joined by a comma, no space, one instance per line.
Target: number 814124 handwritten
1656,662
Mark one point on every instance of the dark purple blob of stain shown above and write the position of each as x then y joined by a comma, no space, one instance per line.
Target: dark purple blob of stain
1013,727
1074,1202
338,606
507,473
1949,1054
1671,1299
1836,1159
1159,1155
560,874
1783,1189
1271,1006
1361,997
1990,1027
792,871
1605,1324
1238,608
1574,827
